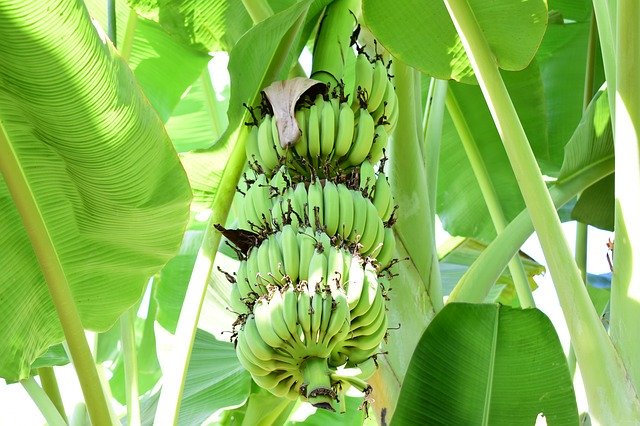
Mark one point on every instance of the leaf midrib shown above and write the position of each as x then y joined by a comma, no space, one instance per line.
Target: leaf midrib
490,375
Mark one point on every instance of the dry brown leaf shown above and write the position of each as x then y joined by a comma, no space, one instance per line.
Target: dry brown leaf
283,96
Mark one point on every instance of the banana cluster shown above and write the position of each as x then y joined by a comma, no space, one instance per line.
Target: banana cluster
310,290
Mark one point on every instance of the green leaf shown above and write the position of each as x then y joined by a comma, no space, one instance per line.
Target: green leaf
55,356
595,205
423,36
457,254
163,67
108,184
215,379
487,364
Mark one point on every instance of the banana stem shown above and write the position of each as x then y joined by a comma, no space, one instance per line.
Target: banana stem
39,397
625,287
127,336
490,196
259,10
332,41
317,379
50,387
612,398
432,129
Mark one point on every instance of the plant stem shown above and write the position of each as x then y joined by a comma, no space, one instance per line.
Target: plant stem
332,42
316,377
476,283
129,32
111,21
432,129
50,387
54,276
605,16
259,10
44,404
490,195
415,226
173,380
611,397
128,339
625,287
212,102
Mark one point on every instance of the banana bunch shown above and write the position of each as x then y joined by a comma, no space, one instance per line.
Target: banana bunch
310,289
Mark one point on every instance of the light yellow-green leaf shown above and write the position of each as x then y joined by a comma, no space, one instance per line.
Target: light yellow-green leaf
94,156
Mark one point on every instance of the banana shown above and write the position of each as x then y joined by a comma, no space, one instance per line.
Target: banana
313,134
261,199
285,388
367,178
339,316
315,205
335,269
356,282
290,252
263,323
331,207
388,248
363,370
376,246
302,145
290,311
360,209
280,181
382,196
265,144
364,77
344,133
272,380
280,151
317,272
252,272
368,320
248,359
378,85
304,315
261,349
373,340
392,108
306,244
327,311
264,263
380,140
235,300
276,311
276,262
345,208
370,288
316,319
363,140
242,282
251,147
372,224
301,196
327,130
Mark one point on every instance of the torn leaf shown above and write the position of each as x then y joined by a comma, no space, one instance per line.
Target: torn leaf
283,96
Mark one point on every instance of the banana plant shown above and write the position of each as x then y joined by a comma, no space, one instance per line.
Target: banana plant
255,242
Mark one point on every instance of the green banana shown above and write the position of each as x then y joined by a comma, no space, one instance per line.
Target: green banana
380,140
327,130
345,208
367,178
388,248
378,85
316,321
356,281
290,252
304,315
265,145
382,195
335,269
261,199
363,139
370,288
276,311
344,134
276,262
262,315
331,207
290,311
313,134
376,246
364,77
242,281
251,145
264,263
281,152
372,224
235,300
302,145
315,205
306,243
317,272
360,209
